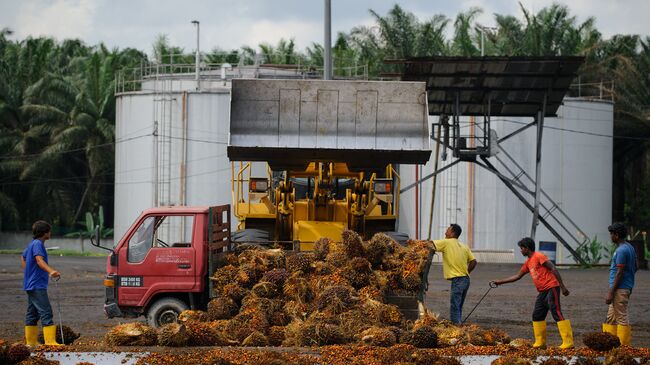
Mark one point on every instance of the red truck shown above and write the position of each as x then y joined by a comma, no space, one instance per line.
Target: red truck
161,265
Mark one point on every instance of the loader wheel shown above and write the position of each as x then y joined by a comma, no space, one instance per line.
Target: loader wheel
399,237
165,311
250,236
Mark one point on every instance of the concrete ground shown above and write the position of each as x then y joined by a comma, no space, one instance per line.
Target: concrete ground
509,307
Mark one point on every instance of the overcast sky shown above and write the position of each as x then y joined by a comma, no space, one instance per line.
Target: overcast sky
231,24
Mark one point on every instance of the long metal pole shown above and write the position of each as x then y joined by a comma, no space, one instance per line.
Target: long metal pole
197,57
538,168
327,72
435,180
409,187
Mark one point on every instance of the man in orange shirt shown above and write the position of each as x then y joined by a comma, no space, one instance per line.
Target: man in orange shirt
549,283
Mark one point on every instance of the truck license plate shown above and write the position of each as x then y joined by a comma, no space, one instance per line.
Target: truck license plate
131,281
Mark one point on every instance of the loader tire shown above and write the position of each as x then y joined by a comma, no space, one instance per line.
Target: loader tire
250,237
399,237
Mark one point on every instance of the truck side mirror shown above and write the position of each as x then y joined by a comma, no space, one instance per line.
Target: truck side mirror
94,239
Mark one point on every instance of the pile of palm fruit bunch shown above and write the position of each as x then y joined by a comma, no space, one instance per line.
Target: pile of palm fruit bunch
13,353
333,295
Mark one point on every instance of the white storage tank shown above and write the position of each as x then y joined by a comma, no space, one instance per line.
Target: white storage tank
171,137
576,174
171,150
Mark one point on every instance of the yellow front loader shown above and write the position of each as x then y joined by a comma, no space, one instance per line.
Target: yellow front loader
313,158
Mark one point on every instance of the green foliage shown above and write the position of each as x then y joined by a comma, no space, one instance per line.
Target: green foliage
594,251
57,108
88,225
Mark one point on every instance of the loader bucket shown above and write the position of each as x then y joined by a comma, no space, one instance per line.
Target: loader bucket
366,124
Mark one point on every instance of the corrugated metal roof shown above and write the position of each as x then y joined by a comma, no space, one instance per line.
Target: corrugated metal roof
508,86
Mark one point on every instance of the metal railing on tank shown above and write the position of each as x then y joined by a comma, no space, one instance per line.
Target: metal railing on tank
232,66
600,90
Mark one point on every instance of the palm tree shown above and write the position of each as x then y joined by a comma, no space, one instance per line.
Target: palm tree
21,64
553,32
510,36
399,31
79,119
431,40
463,42
282,54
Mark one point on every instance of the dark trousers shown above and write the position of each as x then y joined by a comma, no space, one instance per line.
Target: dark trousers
459,288
548,300
38,307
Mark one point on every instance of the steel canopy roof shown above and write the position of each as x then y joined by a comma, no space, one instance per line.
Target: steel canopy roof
507,86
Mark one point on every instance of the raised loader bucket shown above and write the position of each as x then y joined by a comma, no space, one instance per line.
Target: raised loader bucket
367,124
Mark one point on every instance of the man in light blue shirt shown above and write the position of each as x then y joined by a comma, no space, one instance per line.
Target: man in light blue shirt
621,282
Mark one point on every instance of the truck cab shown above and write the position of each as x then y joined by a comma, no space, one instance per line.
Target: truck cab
160,267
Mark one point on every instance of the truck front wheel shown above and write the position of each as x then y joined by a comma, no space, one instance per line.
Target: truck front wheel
164,311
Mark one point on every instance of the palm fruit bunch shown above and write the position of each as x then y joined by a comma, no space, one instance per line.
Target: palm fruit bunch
619,356
276,276
377,249
173,335
193,315
300,262
265,289
601,341
554,361
322,248
422,337
16,353
222,308
132,334
203,334
511,360
352,244
256,339
378,336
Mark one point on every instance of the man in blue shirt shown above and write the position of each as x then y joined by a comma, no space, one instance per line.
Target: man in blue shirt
37,273
621,282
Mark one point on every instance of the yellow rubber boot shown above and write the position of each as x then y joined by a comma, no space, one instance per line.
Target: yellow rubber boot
49,333
624,334
566,332
609,328
539,328
31,336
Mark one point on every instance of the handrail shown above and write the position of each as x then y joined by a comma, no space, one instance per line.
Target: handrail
239,192
397,195
131,79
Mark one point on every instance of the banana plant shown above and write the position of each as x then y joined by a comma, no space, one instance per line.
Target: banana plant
89,226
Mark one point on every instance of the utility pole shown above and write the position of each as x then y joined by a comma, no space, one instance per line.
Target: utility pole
327,72
483,29
197,57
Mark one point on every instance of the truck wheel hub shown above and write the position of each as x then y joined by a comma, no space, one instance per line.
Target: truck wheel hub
168,316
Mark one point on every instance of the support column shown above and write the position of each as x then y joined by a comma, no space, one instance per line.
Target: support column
538,168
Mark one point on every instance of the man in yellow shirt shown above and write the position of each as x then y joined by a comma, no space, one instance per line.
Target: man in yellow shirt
457,262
